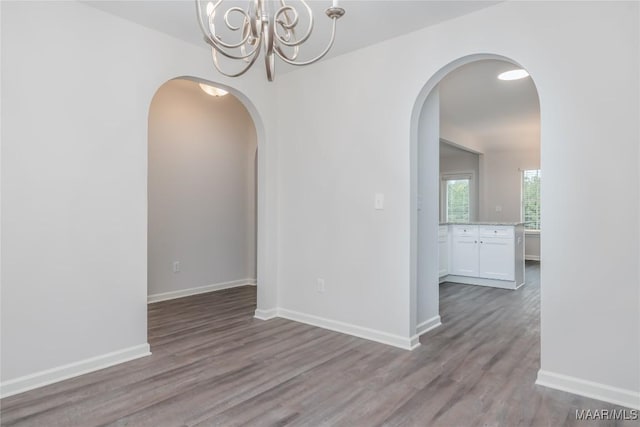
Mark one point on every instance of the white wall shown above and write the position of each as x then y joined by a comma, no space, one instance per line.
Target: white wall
201,189
501,177
502,183
328,176
329,173
74,184
463,161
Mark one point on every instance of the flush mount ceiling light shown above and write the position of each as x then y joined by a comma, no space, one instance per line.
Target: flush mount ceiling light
213,91
248,31
514,74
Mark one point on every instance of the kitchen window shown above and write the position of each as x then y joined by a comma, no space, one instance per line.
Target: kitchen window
531,199
456,192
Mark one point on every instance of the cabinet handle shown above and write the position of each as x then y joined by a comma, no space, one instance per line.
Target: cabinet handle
481,241
475,241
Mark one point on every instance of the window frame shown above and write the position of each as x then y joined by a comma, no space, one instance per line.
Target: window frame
522,201
453,176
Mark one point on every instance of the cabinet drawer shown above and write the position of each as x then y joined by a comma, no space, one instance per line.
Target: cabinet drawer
465,230
500,231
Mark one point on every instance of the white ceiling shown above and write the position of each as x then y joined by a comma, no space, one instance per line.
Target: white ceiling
500,115
365,22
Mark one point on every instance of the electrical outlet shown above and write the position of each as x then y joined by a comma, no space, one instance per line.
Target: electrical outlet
176,266
321,287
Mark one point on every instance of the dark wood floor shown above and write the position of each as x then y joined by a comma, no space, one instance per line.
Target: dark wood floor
214,365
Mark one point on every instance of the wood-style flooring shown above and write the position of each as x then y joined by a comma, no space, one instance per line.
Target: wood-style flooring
213,364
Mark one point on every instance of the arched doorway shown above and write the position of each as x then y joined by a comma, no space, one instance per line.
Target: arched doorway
242,124
425,195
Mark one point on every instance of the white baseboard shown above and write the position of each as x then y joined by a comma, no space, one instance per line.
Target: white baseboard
593,390
428,325
266,314
404,343
199,290
493,283
414,342
532,257
71,370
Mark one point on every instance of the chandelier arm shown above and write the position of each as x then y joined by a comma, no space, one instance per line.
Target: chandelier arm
213,39
218,40
269,47
296,49
243,56
227,15
309,28
245,24
205,31
255,24
243,48
218,45
239,73
222,52
289,27
287,23
282,56
294,55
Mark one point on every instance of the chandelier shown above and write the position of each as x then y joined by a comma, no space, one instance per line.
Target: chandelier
247,31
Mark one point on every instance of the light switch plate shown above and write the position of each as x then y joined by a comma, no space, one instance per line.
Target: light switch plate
379,201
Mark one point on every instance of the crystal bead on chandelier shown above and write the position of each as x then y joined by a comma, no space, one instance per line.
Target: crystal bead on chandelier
255,29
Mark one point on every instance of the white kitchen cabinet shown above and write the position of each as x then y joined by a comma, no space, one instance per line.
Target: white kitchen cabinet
496,257
485,254
443,250
464,251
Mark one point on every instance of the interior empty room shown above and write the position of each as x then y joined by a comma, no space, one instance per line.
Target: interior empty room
328,212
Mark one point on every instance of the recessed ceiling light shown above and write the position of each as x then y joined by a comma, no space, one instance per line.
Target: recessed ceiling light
514,75
213,91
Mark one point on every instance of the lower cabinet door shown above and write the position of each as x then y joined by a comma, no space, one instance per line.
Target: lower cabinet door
464,256
496,258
